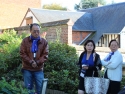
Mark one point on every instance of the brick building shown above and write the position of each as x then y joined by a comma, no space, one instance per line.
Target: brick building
13,11
100,24
73,27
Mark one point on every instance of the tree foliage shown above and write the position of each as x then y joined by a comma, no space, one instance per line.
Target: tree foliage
89,4
54,6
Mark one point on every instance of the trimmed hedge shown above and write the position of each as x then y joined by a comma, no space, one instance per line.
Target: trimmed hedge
61,68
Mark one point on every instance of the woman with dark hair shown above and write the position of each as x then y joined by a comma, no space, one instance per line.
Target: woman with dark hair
113,67
89,62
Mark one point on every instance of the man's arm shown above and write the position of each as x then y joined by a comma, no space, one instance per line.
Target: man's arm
23,54
113,63
44,55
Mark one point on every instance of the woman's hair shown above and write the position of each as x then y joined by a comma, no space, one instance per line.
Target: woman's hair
87,43
112,41
33,24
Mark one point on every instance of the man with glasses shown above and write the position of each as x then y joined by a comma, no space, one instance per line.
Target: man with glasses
33,52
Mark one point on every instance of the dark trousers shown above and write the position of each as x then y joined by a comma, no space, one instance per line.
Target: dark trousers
114,86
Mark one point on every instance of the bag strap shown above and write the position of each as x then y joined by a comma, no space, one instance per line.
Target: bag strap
96,58
99,72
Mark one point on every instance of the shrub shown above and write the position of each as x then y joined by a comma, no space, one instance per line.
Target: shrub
61,68
12,87
9,54
123,82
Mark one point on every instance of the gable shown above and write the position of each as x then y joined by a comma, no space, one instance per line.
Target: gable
81,20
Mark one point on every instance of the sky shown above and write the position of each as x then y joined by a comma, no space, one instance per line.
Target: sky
70,3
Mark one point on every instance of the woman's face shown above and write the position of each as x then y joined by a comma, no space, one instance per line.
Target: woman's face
113,46
89,47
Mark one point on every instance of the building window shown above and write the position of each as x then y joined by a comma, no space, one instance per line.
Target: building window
29,20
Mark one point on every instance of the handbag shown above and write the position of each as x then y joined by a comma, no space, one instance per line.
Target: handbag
96,85
122,91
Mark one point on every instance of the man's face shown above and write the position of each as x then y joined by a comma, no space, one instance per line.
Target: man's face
35,31
114,46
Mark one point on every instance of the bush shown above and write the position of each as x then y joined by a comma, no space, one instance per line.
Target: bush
61,68
123,82
12,87
9,54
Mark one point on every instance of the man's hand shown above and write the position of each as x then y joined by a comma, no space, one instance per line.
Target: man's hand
34,64
105,60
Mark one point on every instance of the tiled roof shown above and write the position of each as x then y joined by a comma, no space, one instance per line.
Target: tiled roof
107,19
13,11
82,20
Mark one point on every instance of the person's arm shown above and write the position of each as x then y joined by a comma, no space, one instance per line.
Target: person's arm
44,55
104,62
115,61
98,64
23,53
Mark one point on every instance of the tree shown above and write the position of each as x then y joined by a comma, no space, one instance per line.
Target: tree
54,6
89,4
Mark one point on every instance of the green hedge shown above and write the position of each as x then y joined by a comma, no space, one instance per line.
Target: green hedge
10,63
61,68
9,54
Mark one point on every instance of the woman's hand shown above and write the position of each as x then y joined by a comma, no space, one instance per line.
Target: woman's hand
85,67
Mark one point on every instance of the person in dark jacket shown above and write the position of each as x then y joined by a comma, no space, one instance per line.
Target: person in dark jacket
33,52
89,62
